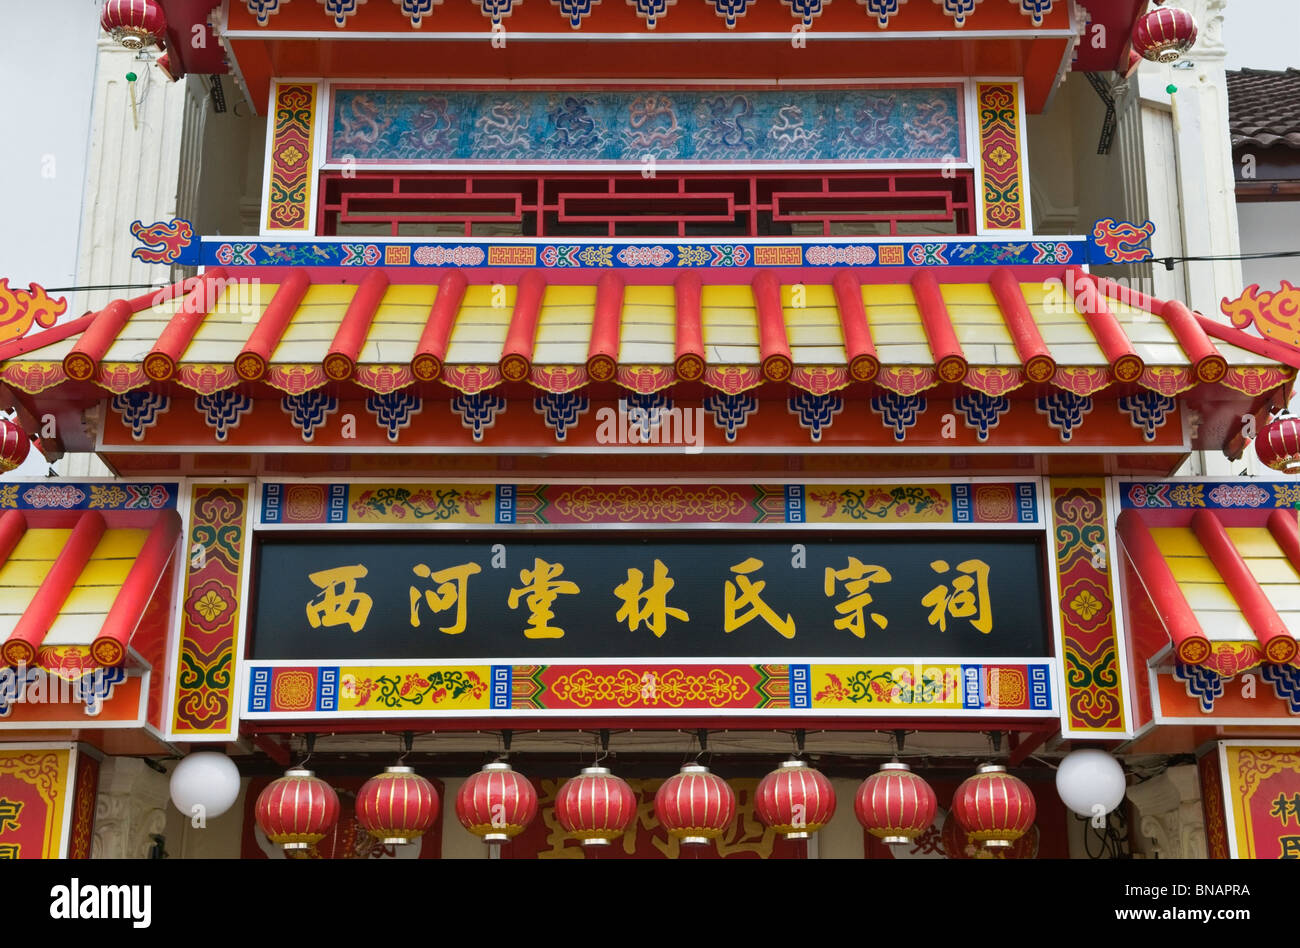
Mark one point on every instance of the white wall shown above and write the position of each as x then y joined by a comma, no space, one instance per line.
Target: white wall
47,68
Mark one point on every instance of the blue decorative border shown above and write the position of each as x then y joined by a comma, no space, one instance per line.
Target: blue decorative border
505,503
961,506
1040,688
1246,494
92,495
435,256
259,689
794,509
502,680
801,686
327,689
1027,503
972,687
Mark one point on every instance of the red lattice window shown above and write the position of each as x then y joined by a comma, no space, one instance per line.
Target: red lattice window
691,204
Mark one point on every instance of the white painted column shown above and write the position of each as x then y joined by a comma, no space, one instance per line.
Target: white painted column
132,172
1191,192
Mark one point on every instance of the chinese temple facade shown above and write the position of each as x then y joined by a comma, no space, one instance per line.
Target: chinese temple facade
646,383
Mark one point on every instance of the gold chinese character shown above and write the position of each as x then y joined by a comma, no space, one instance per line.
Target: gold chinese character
339,603
750,596
451,591
857,576
655,611
959,601
541,587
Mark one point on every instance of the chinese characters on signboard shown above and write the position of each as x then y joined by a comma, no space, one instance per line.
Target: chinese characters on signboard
603,599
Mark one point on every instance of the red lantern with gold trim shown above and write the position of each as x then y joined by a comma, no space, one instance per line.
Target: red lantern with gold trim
695,806
397,806
134,23
994,807
895,805
297,810
496,804
595,807
1165,34
14,445
1278,445
795,800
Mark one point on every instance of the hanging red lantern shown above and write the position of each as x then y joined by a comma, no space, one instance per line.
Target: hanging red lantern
397,806
297,810
895,805
1165,34
695,806
595,807
994,807
14,445
496,803
795,800
1278,445
134,23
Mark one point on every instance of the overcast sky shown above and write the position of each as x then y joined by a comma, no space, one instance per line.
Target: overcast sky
1262,34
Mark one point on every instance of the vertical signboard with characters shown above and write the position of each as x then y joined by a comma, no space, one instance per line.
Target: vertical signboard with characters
1261,797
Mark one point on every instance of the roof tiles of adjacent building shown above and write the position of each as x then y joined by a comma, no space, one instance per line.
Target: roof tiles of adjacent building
1264,108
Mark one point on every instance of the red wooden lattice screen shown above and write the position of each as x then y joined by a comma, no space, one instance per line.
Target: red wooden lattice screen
688,204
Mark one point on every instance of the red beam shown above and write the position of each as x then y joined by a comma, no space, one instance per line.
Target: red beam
27,635
1281,523
773,344
109,647
341,360
1276,639
1039,366
1190,641
80,364
602,353
688,291
431,350
864,363
12,527
1022,749
160,363
521,338
251,363
1209,364
273,749
1125,364
949,360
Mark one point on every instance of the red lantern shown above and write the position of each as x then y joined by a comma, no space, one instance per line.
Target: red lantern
1278,445
695,806
134,23
994,807
496,803
595,806
895,805
795,800
1165,34
297,810
14,445
397,806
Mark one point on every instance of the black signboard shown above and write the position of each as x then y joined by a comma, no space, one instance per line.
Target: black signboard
680,598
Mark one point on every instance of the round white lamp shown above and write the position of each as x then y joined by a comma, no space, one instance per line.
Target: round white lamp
1088,779
207,781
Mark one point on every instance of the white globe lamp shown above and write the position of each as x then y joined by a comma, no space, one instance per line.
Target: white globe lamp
206,781
1089,779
